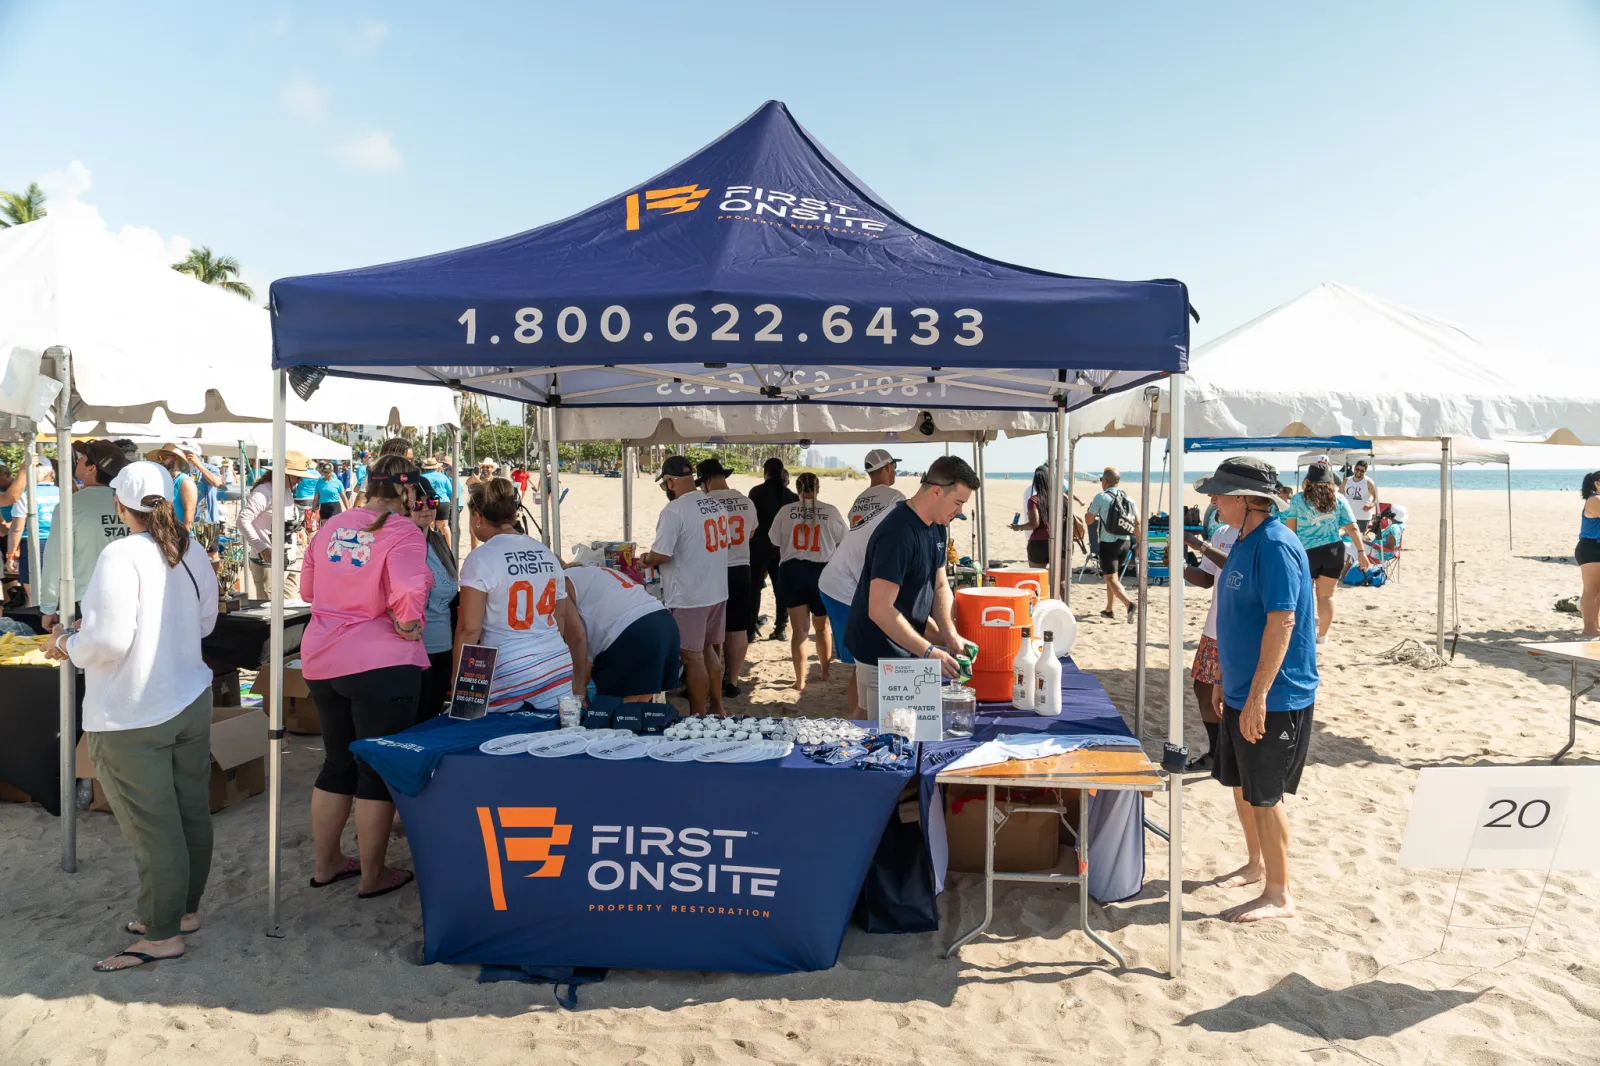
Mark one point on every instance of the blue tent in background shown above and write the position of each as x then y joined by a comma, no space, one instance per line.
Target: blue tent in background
758,270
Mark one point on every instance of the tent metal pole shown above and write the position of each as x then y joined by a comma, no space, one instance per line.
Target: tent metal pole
30,459
1444,538
1053,505
1140,684
458,510
280,560
1175,689
1511,536
983,507
627,492
67,597
1072,476
524,439
539,417
555,482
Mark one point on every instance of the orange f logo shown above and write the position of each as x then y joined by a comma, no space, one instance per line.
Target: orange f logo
672,201
522,849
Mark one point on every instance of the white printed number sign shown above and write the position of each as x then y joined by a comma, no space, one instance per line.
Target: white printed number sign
1504,818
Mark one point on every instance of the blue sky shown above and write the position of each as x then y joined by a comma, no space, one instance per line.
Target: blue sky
1443,156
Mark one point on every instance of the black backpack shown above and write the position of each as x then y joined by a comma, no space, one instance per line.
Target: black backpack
1121,518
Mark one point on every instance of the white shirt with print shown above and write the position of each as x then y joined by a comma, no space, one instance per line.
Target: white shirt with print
809,530
843,572
872,503
608,602
522,582
1222,540
690,532
741,523
1360,491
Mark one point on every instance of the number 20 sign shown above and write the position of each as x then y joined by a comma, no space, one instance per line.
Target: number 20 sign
1504,818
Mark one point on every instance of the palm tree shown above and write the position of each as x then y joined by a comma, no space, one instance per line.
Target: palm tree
19,207
219,270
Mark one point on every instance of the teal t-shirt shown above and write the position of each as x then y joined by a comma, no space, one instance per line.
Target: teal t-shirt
1100,506
306,488
1314,528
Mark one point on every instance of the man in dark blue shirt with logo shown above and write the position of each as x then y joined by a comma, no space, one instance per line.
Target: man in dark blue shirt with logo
1266,643
903,586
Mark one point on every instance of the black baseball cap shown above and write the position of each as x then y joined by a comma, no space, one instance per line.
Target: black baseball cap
1241,476
675,466
708,469
1320,473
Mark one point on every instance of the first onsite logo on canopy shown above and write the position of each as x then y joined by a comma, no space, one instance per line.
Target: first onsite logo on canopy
671,201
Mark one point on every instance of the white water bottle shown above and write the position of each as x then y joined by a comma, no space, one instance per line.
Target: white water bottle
1022,674
1047,679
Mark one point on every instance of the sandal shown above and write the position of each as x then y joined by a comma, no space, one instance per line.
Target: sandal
144,960
402,878
351,868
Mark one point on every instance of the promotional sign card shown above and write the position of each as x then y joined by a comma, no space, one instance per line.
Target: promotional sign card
910,688
470,696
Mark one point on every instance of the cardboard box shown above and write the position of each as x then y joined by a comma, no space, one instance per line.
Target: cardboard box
225,689
1025,843
238,758
299,709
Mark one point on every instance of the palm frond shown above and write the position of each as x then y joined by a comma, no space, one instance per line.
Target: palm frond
238,288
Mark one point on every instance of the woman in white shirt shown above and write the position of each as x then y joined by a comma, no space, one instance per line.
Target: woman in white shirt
255,528
147,705
806,534
513,598
631,635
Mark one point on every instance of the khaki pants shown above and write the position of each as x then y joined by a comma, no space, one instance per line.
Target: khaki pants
867,690
158,780
261,579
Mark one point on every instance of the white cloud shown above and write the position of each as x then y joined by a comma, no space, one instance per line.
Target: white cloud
371,151
364,39
64,190
305,100
67,184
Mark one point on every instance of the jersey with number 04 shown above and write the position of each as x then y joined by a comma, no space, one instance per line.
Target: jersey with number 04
693,530
741,523
808,530
522,582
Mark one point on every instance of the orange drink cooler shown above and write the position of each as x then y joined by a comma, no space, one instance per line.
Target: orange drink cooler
992,617
1035,579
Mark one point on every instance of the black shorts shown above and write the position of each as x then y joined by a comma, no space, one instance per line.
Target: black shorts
742,600
445,512
1588,551
1265,770
1039,552
1363,523
797,586
327,510
1327,560
372,703
643,660
1112,553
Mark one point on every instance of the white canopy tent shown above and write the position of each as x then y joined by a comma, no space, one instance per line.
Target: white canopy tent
1283,375
106,334
254,439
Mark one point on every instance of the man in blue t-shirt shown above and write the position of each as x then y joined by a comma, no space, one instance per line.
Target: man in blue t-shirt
902,604
1266,644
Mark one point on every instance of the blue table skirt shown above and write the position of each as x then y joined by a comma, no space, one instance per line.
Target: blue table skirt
640,864
1115,819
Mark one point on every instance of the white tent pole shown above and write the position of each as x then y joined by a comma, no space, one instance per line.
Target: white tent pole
982,556
555,484
1142,547
1511,537
1072,475
1053,504
627,492
67,597
1444,537
30,460
458,497
280,558
1175,688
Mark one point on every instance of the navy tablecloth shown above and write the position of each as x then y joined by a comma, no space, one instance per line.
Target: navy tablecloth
640,864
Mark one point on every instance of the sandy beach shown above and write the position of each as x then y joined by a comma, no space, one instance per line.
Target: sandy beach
1360,976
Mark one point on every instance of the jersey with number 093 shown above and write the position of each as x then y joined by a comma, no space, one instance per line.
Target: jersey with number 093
522,582
808,530
741,524
608,602
693,530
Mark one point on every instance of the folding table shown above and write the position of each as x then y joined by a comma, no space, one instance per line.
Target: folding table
1575,653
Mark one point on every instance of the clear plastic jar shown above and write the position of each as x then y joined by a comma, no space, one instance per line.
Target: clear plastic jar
960,710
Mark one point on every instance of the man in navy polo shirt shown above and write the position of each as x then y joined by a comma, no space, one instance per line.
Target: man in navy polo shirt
1266,643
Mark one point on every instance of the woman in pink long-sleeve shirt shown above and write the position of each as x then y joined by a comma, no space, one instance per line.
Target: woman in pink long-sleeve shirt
366,576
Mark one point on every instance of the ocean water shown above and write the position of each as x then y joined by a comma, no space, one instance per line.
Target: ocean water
1487,479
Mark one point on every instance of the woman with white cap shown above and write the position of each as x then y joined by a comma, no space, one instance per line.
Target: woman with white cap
147,705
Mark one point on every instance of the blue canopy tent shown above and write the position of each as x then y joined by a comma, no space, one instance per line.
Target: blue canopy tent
759,270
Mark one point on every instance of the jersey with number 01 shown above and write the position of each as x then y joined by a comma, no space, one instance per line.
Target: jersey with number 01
808,530
522,582
741,524
693,530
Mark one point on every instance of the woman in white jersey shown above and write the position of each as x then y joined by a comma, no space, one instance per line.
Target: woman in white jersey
806,534
632,637
514,598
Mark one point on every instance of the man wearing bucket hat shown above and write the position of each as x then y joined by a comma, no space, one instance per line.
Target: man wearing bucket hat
1266,643
255,528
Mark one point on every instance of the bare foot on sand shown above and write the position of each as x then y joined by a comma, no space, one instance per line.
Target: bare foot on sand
1244,875
1260,909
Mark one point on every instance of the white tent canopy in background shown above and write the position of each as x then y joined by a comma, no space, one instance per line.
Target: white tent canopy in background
223,439
1336,361
1463,452
820,423
144,338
